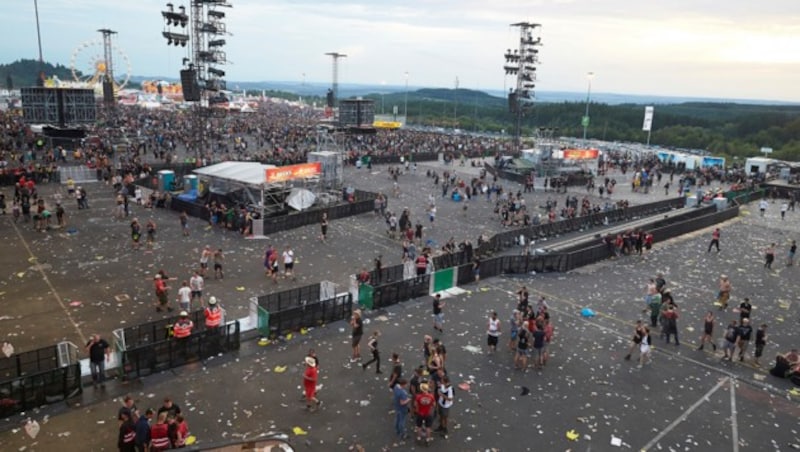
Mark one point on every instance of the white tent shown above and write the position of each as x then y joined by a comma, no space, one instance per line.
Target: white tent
248,173
300,199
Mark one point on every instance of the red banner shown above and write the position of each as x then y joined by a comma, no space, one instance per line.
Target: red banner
291,172
581,154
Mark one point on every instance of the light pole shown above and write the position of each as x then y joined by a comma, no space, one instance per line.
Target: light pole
585,119
383,93
405,102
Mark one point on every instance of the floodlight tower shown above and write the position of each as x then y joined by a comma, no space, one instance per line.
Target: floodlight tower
522,63
335,57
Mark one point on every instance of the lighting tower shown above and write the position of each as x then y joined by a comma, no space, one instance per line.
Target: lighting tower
206,42
522,64
108,73
202,79
335,56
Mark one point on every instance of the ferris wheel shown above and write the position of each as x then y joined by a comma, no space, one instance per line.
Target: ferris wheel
88,64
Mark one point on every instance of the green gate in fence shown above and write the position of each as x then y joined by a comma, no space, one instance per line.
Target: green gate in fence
263,322
443,279
365,296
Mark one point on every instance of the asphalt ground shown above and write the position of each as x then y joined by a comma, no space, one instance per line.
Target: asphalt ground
684,400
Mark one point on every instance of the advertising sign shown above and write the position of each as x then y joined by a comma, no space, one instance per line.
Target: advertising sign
648,119
581,154
291,172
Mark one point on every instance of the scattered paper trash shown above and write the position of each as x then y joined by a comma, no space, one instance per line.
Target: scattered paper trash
525,391
21,275
299,431
75,303
279,369
8,349
464,386
240,288
191,439
572,435
32,428
263,341
587,312
616,441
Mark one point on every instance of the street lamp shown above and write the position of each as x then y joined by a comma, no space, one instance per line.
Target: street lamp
405,102
585,119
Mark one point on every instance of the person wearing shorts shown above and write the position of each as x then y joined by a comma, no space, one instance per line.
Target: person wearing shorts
424,402
358,330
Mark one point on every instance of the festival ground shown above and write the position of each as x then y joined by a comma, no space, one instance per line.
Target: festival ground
684,400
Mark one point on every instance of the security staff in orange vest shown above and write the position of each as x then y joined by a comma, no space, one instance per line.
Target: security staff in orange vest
181,330
213,314
183,327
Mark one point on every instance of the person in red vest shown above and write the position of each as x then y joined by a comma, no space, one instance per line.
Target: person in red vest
159,434
213,314
126,442
422,264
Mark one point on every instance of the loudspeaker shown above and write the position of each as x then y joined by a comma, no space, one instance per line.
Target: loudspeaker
329,98
108,92
191,90
356,113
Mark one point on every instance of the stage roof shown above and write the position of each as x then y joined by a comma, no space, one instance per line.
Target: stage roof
250,173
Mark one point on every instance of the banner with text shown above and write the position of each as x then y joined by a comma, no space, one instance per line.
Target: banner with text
648,119
292,172
581,154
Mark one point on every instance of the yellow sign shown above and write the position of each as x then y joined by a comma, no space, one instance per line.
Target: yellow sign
387,124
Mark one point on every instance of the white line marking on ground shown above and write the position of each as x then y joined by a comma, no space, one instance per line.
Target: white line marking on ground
685,414
50,285
734,417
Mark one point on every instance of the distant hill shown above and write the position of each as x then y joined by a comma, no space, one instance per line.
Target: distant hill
24,73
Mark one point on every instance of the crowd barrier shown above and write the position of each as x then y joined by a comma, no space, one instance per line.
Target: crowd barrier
292,298
29,362
508,239
165,354
36,389
308,315
572,180
155,331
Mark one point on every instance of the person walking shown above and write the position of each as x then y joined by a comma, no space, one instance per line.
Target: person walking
184,220
372,343
636,340
644,349
745,308
446,396
769,256
99,353
790,255
196,284
310,377
714,240
150,228
288,263
357,325
323,225
161,293
136,233
708,331
493,332
438,314
762,206
670,316
724,293
400,401
397,371
219,259
184,296
205,255
761,342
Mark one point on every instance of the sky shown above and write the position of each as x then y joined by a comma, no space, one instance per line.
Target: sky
736,49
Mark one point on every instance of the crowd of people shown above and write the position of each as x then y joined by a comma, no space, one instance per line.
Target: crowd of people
153,430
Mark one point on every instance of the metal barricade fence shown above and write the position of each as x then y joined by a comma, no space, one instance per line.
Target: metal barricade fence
29,362
166,354
39,388
300,296
157,330
393,293
314,314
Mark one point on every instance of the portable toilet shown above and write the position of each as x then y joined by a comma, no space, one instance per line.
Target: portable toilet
166,179
189,183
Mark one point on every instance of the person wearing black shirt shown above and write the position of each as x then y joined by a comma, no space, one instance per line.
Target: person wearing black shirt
438,316
761,341
397,370
376,354
99,353
170,407
358,330
744,309
521,361
745,332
